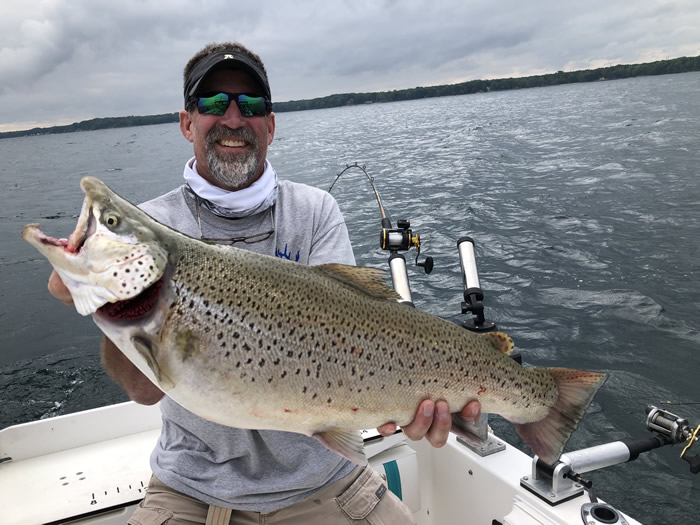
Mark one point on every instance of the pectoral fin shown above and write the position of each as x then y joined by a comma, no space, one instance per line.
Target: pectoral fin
146,349
347,443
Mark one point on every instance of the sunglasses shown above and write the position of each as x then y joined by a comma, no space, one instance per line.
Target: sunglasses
249,239
218,103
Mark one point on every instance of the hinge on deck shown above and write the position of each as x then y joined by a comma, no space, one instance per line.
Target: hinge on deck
476,436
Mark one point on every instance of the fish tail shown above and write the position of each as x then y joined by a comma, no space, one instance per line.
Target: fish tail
548,436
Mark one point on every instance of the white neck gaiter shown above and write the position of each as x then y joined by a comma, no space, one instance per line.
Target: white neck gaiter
257,197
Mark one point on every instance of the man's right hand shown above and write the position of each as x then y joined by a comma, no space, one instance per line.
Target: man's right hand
59,290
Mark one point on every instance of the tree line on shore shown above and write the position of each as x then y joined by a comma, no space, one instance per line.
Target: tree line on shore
659,67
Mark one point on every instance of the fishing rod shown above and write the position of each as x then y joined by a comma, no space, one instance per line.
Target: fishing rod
394,240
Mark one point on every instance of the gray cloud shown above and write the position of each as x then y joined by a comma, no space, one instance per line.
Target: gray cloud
68,60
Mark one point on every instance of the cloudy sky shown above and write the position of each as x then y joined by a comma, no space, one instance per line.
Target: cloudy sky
63,61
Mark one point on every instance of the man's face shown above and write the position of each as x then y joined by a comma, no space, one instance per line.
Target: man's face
230,149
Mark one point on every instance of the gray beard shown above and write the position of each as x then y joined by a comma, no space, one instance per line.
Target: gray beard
233,171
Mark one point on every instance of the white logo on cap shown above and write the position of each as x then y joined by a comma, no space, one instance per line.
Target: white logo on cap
227,56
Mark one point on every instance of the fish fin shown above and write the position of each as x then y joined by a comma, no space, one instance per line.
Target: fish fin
548,437
500,341
145,348
367,280
86,298
347,443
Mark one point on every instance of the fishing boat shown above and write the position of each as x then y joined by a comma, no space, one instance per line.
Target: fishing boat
92,467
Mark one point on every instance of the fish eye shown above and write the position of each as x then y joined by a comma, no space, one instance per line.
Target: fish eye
111,220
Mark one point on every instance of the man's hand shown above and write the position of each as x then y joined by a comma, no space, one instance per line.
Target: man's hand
433,422
59,290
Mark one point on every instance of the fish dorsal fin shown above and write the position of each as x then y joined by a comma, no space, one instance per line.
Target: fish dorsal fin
500,341
366,280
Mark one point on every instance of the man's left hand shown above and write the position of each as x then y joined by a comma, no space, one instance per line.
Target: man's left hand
433,422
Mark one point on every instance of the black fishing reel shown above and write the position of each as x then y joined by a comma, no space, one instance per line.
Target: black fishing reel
395,240
674,430
402,238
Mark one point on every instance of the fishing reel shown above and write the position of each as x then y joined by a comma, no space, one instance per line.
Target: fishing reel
402,238
395,240
674,430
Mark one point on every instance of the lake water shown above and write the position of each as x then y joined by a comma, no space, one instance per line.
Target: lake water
584,201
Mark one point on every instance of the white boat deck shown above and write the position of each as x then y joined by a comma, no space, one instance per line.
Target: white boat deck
93,467
76,465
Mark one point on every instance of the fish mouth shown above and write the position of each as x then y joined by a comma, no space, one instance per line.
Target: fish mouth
32,231
136,307
86,226
71,245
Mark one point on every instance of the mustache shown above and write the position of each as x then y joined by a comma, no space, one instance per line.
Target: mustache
224,132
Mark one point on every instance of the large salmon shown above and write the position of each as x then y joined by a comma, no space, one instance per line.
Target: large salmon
252,341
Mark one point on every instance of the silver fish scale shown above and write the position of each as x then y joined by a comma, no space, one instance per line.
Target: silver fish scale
287,342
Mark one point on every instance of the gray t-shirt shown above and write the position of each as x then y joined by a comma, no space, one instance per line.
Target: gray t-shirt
255,470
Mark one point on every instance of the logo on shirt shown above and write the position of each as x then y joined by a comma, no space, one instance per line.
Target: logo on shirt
287,255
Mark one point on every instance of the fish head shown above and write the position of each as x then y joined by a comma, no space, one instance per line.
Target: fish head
113,255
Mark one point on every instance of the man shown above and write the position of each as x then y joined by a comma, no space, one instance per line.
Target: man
203,470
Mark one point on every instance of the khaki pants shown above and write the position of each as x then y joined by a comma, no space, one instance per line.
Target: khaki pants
361,497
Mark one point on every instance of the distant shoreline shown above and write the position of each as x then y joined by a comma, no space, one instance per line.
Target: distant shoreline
659,67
